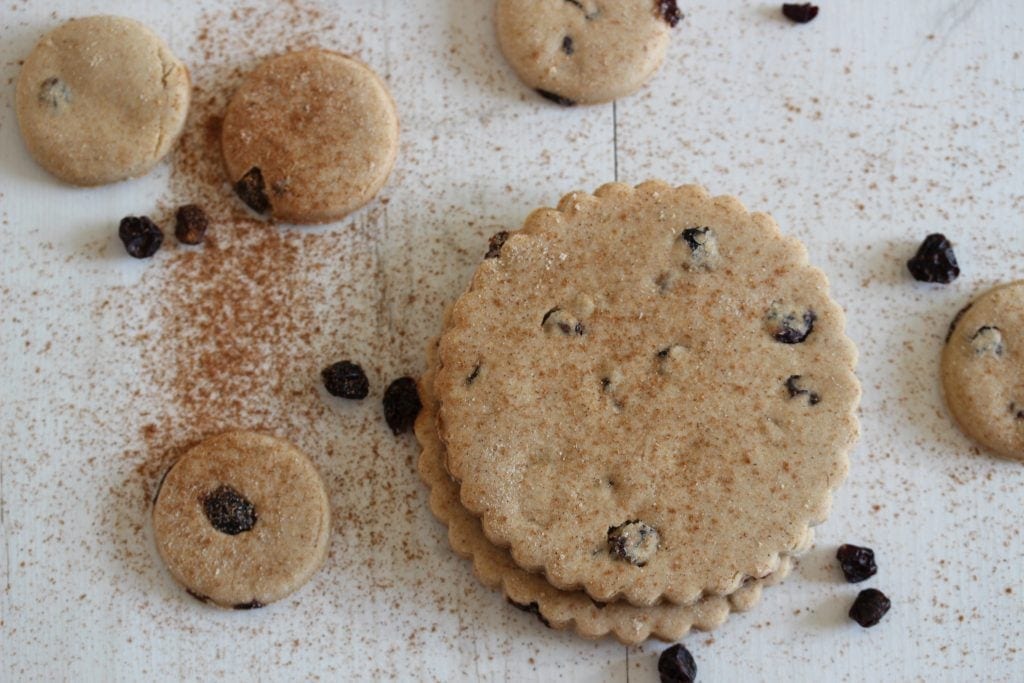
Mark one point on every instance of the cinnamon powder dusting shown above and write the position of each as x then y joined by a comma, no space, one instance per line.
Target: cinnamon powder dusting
237,329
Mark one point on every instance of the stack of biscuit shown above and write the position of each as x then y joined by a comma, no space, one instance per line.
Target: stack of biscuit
637,411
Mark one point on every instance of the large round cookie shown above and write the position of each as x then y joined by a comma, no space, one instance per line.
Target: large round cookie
310,136
531,592
647,394
242,519
101,99
584,51
983,369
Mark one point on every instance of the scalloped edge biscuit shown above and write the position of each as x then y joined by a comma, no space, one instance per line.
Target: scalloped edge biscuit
545,233
531,592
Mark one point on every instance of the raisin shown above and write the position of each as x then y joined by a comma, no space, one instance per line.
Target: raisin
1016,411
669,11
676,665
556,98
229,511
401,404
567,46
934,261
956,319
495,244
55,93
254,604
869,607
556,318
633,541
253,191
532,608
694,237
703,246
345,379
473,375
988,340
788,326
141,237
794,389
858,564
586,15
801,14
190,224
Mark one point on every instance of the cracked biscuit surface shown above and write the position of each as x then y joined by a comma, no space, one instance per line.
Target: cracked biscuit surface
101,99
661,399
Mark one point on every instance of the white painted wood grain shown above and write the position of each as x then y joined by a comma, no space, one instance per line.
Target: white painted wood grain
861,132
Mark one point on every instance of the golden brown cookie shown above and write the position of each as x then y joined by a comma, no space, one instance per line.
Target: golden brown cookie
242,520
310,136
647,394
101,99
584,51
983,369
531,592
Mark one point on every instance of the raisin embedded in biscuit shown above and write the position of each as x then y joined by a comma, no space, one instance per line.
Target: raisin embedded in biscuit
320,130
561,321
793,386
582,51
633,541
669,391
229,511
101,99
55,93
983,369
242,519
495,244
530,592
988,340
252,190
788,324
701,248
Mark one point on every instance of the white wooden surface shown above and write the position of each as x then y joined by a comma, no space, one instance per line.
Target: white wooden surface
861,132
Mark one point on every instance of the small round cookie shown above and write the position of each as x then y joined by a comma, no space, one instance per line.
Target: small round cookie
584,51
983,370
648,393
242,520
531,592
310,136
101,99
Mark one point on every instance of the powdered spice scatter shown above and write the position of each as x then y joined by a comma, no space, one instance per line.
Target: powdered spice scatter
233,335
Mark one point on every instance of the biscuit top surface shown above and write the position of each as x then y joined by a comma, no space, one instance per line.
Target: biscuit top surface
101,99
322,129
647,394
242,517
983,369
585,51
